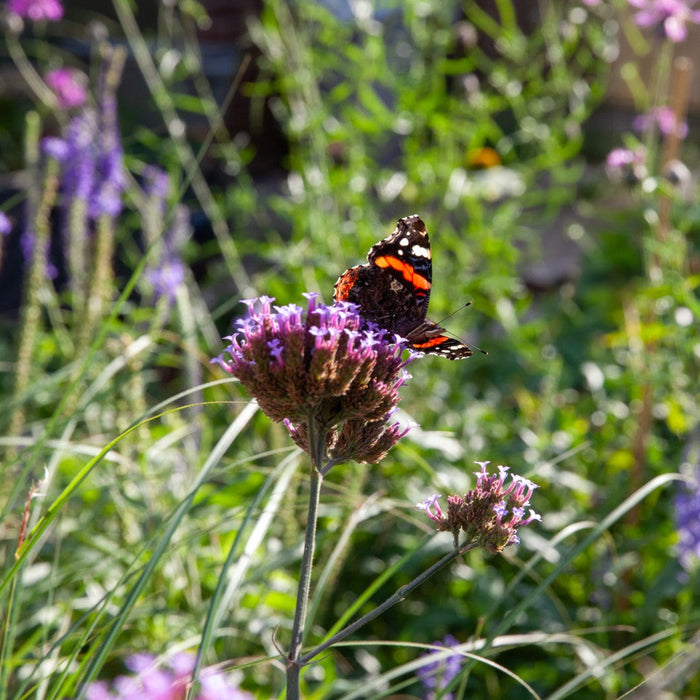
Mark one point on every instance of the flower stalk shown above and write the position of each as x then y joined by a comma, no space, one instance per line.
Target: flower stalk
304,589
38,232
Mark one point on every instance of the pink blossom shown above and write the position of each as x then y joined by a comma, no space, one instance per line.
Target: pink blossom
622,157
37,10
69,86
664,119
671,15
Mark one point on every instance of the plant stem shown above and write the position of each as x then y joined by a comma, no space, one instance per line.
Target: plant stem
680,93
317,442
397,597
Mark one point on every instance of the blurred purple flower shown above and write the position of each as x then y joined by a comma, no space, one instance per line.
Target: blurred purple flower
169,272
157,182
323,364
37,10
620,158
69,85
688,522
93,170
627,164
167,277
664,119
667,16
79,167
437,675
110,179
27,244
56,148
490,514
169,683
5,224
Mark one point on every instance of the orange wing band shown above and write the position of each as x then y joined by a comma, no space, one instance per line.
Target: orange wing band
438,340
408,272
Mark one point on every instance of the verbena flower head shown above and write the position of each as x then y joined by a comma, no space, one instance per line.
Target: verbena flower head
668,17
490,514
169,683
69,85
437,675
688,522
37,10
320,365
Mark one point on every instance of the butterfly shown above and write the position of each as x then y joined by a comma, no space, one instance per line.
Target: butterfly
393,289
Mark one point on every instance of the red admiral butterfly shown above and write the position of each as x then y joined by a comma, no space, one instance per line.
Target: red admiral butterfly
393,289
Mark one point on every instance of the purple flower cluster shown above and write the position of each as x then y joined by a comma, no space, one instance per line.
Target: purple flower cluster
662,118
490,514
667,17
91,173
36,10
438,674
91,156
169,272
320,367
109,162
69,85
170,683
688,522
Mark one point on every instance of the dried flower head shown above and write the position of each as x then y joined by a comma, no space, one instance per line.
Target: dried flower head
490,514
320,369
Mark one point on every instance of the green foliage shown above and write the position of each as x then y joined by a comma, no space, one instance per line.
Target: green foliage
170,515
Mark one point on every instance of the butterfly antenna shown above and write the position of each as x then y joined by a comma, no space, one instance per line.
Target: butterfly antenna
454,313
475,347
471,346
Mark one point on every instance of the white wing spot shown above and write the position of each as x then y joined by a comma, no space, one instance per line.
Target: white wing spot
421,252
403,241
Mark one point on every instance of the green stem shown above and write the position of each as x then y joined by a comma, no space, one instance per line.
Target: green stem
317,442
398,597
30,75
